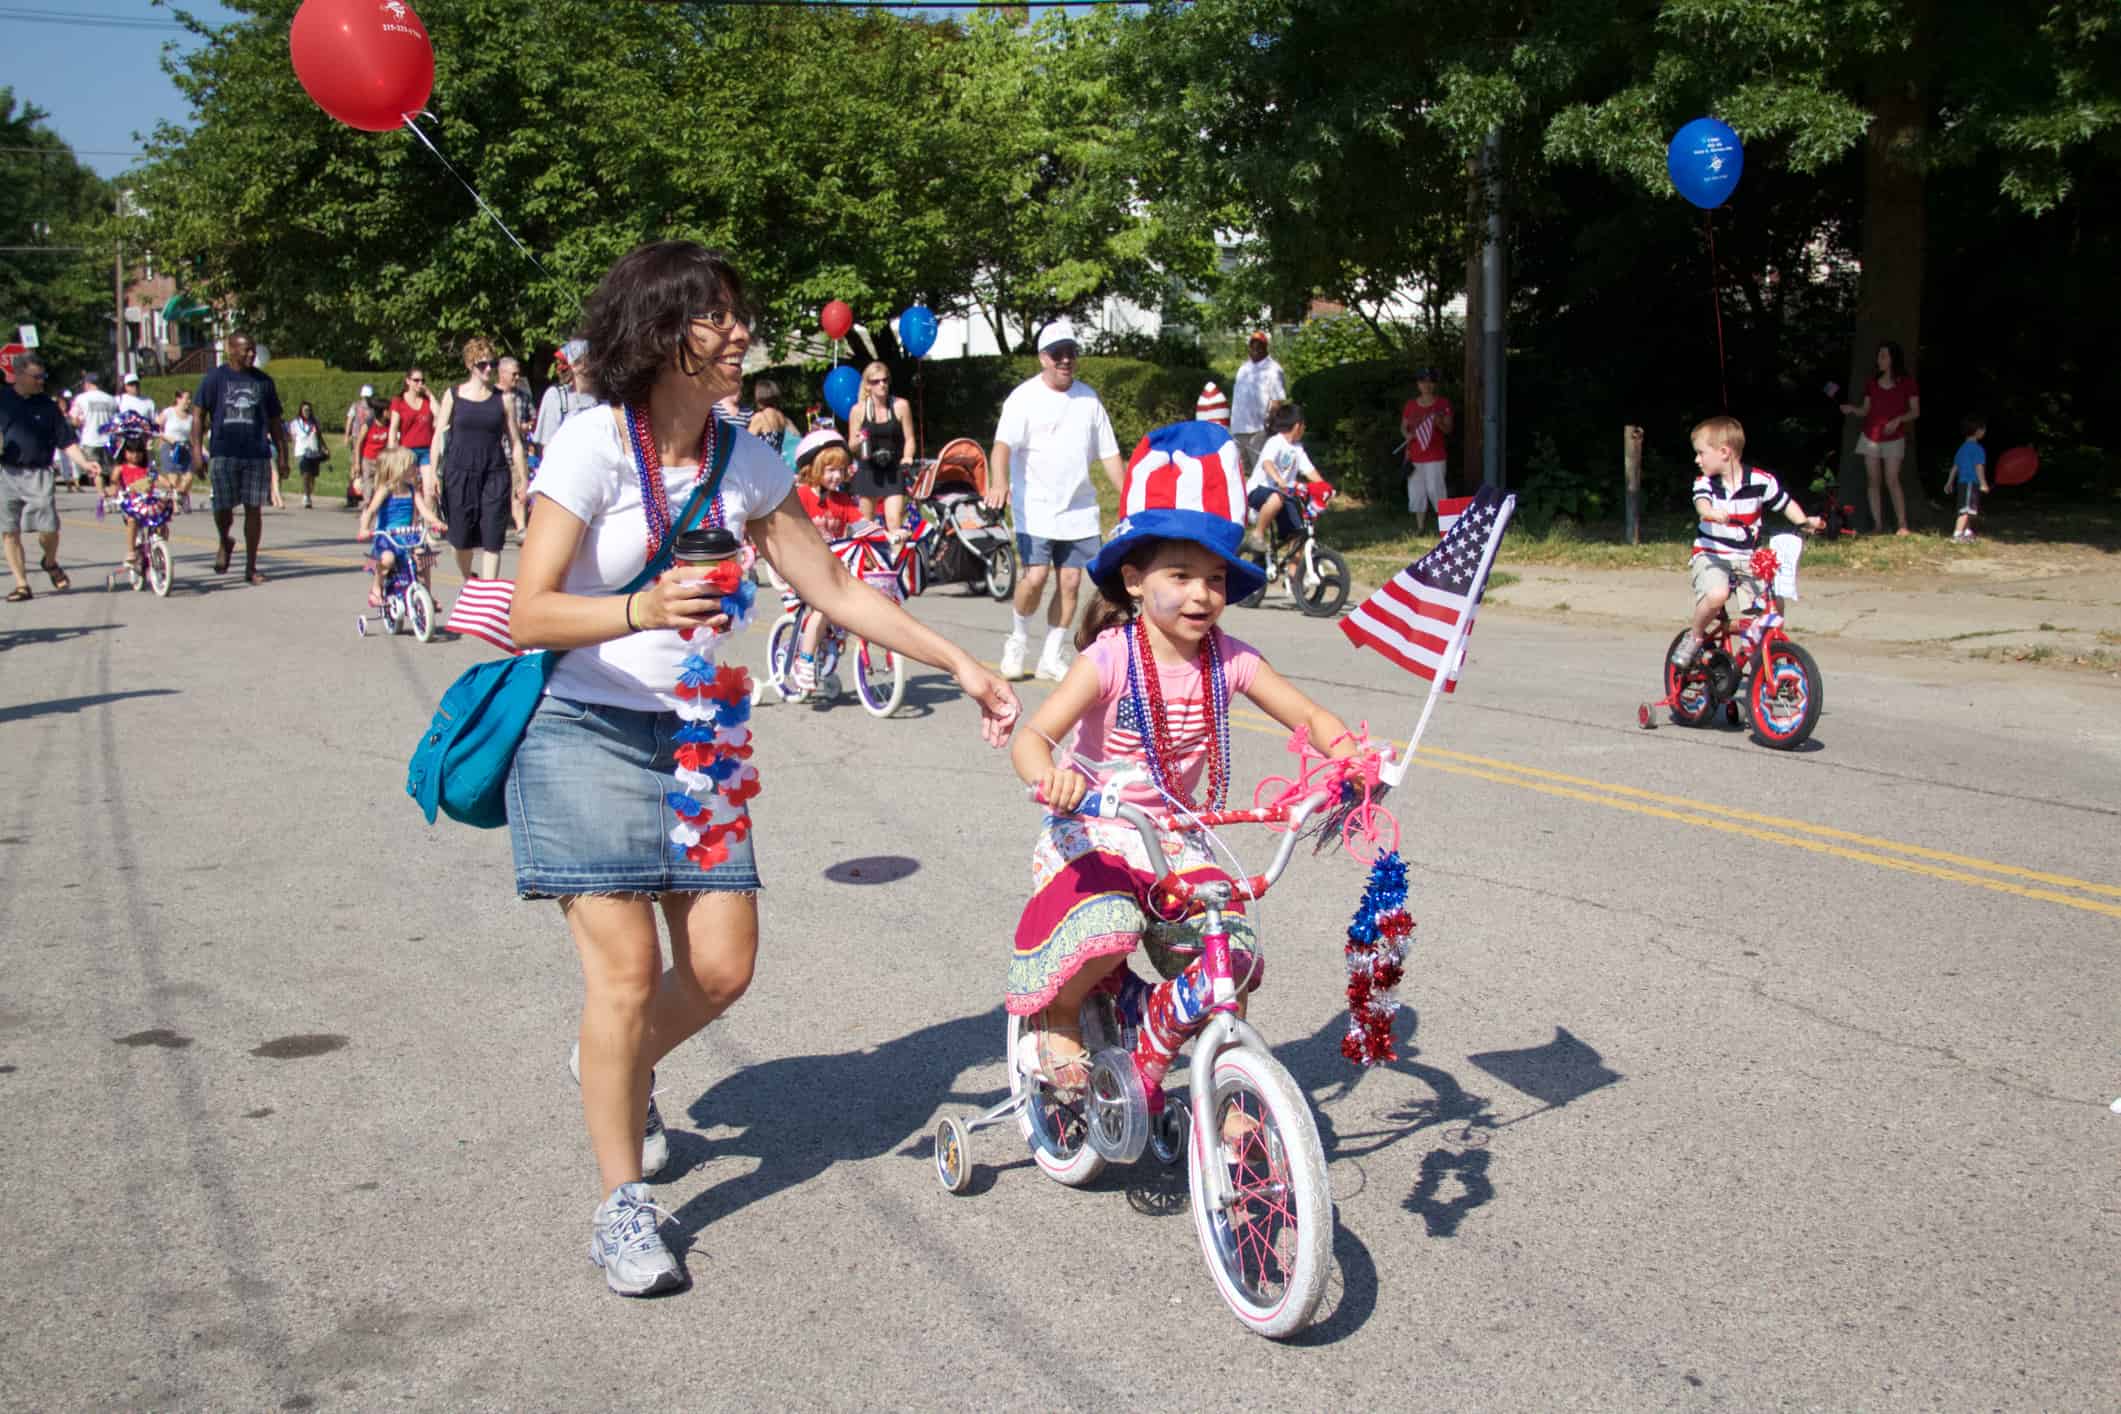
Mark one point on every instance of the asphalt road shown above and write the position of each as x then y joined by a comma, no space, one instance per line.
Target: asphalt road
1732,1078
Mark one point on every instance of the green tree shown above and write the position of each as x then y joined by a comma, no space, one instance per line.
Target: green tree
55,222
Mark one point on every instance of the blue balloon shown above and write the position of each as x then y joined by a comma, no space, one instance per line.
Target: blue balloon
842,386
1705,160
916,330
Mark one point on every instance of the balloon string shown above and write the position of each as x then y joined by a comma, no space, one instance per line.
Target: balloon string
1708,219
493,214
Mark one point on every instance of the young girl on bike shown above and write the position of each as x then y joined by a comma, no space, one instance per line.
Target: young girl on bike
822,467
133,467
396,502
1152,684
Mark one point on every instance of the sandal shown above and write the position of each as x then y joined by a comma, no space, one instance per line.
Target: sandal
228,547
255,577
1058,1069
59,576
19,594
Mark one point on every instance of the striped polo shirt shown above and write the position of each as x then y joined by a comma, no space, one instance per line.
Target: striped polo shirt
1756,494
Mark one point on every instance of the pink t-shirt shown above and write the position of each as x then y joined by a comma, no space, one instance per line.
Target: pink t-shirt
1888,403
1425,434
1109,730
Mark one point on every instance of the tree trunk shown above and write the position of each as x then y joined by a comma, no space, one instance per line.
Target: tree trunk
1889,296
1470,410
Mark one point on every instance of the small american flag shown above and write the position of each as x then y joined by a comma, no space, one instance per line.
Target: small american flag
1419,619
481,611
1447,513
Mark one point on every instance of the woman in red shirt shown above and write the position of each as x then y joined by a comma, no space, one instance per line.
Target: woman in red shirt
412,425
1891,400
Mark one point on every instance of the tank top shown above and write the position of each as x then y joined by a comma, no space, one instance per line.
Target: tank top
176,427
397,513
477,431
884,436
376,439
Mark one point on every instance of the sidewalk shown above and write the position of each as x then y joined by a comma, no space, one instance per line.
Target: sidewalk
1975,608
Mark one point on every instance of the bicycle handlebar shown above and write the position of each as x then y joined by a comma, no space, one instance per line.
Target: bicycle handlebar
1171,894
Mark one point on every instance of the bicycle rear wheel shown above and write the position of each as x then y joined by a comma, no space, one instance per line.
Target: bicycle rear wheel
1268,1251
1692,702
1052,1123
879,678
159,575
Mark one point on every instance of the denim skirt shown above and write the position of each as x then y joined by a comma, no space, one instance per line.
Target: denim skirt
586,808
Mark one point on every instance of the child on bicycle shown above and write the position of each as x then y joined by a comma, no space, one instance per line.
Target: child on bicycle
1731,499
1283,467
823,466
133,472
396,503
1152,683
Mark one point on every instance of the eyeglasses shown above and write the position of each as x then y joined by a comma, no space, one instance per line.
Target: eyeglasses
720,320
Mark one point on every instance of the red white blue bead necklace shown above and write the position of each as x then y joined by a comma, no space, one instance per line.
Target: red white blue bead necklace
1146,690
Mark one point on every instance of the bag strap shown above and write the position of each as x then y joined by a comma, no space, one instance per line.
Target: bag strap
703,493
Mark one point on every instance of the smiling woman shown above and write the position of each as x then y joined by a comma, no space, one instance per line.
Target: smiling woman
629,791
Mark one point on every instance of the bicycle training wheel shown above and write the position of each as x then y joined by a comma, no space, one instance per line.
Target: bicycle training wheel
1692,704
781,646
1784,700
159,576
1323,589
1001,572
1268,1250
879,678
1051,1121
420,612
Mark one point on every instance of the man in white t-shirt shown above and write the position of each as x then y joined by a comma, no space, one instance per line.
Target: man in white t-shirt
94,411
1259,385
1051,429
130,399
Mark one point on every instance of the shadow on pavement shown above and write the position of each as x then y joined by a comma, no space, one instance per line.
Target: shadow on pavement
800,1115
77,704
28,637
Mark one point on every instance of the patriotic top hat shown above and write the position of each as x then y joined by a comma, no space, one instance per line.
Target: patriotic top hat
1214,406
1184,482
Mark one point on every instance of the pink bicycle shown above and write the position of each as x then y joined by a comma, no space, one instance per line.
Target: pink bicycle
1255,1168
1369,830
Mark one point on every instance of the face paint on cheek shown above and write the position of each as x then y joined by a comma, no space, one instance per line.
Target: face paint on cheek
1166,603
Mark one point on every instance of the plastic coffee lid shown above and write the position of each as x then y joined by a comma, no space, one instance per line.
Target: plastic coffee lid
706,542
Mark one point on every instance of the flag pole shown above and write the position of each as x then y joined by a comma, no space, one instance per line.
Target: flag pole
1454,653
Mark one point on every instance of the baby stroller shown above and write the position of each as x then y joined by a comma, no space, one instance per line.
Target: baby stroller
971,544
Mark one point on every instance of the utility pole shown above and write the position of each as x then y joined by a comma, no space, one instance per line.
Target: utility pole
1494,466
117,371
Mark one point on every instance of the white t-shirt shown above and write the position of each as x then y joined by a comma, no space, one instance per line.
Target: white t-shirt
95,408
1281,465
1052,439
589,471
1257,386
139,403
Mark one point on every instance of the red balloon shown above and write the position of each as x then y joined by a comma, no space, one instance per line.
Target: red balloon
368,63
837,319
2016,466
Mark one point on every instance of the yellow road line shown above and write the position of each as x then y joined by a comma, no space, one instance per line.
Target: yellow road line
1792,833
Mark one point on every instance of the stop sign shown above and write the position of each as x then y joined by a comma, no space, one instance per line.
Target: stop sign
8,354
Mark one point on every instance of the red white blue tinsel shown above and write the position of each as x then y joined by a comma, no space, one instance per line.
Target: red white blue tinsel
1378,938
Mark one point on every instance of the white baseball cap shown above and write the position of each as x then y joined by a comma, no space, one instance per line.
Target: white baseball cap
368,390
1060,331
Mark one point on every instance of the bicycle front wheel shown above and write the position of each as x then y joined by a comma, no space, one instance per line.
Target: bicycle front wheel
879,678
159,575
1321,588
1268,1250
781,647
420,612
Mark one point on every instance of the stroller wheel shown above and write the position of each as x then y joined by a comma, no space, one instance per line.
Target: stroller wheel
1001,572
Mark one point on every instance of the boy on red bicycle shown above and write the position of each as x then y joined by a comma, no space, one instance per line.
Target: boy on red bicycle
1731,499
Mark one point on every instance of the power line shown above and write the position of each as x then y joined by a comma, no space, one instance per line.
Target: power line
62,17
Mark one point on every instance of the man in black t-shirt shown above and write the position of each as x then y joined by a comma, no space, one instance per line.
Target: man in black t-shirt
242,407
33,431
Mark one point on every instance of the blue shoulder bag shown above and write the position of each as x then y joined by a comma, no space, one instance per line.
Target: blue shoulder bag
460,767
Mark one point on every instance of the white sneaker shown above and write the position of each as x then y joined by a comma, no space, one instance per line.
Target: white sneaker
1013,657
1053,666
655,1143
625,1243
805,676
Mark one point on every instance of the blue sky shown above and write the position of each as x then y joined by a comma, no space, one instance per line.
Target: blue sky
95,67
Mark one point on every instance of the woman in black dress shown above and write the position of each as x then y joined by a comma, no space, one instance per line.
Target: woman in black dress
480,450
880,429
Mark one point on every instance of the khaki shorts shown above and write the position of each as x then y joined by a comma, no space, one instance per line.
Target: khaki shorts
27,505
1711,573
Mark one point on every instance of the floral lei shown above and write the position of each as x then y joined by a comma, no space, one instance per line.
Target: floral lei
714,703
1145,687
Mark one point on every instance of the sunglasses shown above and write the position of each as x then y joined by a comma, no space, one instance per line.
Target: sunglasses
482,364
720,320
